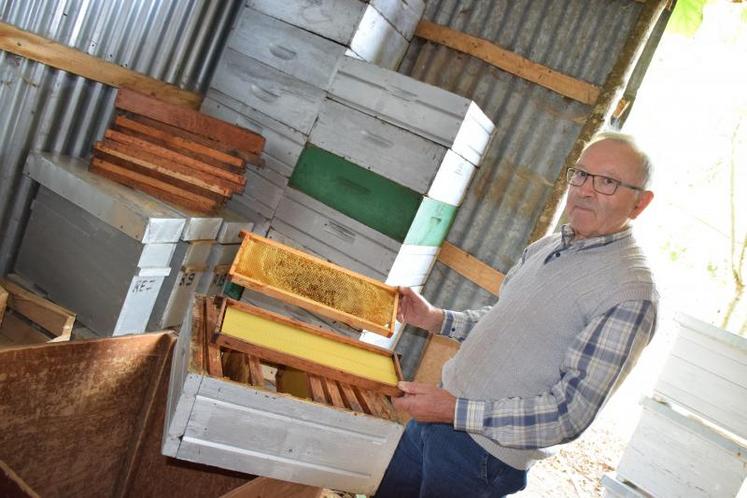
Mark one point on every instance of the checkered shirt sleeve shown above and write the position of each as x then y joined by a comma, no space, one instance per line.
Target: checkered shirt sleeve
600,356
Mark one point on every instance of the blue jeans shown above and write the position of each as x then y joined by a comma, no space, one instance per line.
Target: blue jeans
434,460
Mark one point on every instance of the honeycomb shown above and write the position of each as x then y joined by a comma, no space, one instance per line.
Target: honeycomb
283,269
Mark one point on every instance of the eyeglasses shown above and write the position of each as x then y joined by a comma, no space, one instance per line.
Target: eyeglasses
602,184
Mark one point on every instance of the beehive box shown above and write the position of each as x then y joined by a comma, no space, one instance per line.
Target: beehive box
113,246
229,411
293,276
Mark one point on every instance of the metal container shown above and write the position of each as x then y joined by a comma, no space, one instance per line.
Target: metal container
438,115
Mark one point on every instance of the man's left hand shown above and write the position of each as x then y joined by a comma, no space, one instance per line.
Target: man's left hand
426,402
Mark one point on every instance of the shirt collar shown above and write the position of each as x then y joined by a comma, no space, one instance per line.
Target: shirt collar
568,238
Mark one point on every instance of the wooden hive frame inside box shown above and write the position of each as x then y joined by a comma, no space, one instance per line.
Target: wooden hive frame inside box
319,286
229,409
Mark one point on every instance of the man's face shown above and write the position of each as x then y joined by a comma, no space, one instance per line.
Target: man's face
590,213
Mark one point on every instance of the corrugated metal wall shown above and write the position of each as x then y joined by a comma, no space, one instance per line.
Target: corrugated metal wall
535,127
177,41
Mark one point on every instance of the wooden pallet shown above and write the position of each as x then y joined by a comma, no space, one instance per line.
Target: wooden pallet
319,286
174,153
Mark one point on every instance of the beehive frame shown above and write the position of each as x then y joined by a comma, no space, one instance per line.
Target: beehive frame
376,312
338,370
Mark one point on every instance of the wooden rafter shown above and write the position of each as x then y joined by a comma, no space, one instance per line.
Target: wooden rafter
51,53
470,267
508,61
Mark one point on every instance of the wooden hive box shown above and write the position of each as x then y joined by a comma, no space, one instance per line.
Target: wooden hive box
231,410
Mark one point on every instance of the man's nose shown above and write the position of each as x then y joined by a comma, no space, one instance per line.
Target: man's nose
587,188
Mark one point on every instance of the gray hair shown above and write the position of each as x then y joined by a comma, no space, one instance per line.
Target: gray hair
646,166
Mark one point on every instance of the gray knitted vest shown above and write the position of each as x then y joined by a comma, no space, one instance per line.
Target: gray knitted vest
516,349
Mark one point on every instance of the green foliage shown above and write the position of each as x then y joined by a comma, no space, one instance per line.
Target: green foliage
686,17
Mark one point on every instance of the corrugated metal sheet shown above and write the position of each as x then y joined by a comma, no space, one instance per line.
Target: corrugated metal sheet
177,41
535,127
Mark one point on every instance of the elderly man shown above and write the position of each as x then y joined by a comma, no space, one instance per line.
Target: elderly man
533,370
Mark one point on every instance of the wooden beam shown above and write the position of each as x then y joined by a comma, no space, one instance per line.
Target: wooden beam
470,267
508,61
264,487
53,318
51,53
3,303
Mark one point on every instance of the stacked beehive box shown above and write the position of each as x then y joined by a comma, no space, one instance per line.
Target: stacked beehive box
97,247
278,64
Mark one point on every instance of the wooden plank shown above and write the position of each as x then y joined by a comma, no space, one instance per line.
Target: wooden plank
508,61
370,403
40,49
178,158
265,487
207,142
53,318
305,365
12,486
333,393
316,387
236,366
255,372
153,163
154,187
471,268
18,332
212,350
190,120
345,280
351,400
173,140
438,350
3,302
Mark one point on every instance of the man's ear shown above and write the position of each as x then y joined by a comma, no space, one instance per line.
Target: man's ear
644,199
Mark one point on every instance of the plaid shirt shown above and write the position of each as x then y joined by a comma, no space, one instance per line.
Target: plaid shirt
592,368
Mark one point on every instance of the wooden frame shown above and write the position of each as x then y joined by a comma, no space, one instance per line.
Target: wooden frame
54,319
40,49
310,367
386,329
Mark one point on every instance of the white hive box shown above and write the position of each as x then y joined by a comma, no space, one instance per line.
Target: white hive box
97,247
312,225
392,152
222,253
378,32
431,112
232,425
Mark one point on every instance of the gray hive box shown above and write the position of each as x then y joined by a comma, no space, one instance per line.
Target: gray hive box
96,247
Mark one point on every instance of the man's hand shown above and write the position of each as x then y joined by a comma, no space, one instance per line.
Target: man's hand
415,310
426,402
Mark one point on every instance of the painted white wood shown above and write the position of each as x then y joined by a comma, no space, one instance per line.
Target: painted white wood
452,179
264,189
706,372
334,19
219,262
130,211
245,208
412,266
294,51
183,387
335,236
381,147
283,144
232,226
403,14
614,488
671,455
376,41
436,114
264,433
270,91
193,268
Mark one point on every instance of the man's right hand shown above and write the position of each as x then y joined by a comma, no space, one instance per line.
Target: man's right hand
415,310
